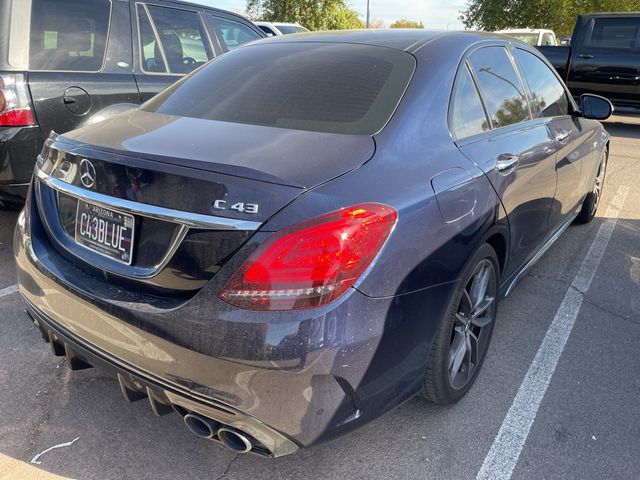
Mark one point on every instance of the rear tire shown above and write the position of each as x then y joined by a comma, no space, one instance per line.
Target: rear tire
592,200
464,334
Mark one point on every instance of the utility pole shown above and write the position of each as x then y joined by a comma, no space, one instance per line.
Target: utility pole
367,23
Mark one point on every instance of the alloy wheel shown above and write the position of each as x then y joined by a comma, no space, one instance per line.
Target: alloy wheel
472,326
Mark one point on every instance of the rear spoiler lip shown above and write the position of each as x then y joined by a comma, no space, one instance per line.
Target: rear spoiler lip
82,148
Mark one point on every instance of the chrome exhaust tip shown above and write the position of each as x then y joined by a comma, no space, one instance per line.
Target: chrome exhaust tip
235,440
201,426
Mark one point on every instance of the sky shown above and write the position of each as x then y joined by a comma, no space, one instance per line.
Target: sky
435,14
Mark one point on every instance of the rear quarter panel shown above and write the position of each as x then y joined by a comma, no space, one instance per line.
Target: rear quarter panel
415,155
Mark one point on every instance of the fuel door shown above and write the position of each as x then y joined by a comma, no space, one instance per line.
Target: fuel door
77,100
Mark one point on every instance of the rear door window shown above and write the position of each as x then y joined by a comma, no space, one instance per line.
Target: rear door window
67,35
548,96
500,86
172,40
614,33
468,117
231,33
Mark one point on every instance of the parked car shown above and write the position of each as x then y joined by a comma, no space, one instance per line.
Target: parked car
279,28
602,57
308,231
533,36
61,61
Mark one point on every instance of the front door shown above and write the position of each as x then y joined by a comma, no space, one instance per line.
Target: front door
573,136
74,69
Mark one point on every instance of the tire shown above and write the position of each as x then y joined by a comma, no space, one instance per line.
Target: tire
449,375
592,200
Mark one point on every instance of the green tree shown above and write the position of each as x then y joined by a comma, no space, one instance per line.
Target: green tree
558,15
404,23
313,14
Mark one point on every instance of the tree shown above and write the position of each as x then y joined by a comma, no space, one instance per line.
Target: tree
404,23
558,15
313,14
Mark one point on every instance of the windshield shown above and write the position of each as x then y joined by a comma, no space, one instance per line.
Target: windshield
530,38
323,87
287,29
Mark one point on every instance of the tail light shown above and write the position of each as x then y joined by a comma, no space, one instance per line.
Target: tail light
311,263
15,103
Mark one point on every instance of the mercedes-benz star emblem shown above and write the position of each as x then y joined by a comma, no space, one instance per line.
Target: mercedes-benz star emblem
87,173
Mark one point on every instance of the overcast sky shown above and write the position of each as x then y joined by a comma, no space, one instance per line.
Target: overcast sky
433,13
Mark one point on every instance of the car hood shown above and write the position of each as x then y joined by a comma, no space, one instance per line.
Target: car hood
294,158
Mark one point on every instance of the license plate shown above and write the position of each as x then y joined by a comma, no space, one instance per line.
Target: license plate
105,231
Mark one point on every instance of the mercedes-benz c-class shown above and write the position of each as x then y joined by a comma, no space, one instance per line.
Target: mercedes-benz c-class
307,231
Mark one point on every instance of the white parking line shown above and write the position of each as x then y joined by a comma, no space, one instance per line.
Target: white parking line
507,446
8,291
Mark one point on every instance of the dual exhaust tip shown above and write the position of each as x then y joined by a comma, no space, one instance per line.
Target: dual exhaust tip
207,428
199,425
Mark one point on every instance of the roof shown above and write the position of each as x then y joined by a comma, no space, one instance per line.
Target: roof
408,40
200,4
610,14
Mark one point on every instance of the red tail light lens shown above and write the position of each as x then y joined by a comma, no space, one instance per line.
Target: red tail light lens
311,263
15,104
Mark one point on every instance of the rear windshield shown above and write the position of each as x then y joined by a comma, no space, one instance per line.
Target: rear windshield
336,88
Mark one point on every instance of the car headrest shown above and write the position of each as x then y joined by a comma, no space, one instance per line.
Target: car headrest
172,48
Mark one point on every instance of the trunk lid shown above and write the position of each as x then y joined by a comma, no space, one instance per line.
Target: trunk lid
296,158
196,189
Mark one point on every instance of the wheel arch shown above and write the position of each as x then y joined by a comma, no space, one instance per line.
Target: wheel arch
498,242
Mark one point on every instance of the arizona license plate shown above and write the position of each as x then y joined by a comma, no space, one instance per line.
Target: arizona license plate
105,231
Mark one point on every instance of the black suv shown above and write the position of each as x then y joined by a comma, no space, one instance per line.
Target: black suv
61,61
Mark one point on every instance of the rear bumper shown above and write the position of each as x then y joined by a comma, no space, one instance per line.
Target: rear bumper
291,379
19,148
162,396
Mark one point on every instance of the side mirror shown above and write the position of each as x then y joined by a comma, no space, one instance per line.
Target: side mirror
595,107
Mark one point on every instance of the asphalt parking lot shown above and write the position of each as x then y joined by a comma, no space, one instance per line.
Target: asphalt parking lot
572,410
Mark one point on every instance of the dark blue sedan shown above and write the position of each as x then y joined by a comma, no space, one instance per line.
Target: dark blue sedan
307,231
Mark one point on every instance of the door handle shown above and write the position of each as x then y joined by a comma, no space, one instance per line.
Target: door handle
506,163
562,136
585,55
